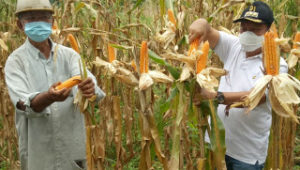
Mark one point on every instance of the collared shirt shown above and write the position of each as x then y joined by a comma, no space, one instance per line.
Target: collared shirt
54,138
247,135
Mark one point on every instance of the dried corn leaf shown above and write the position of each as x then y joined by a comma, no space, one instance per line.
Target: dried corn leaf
3,45
145,81
201,164
175,153
180,19
160,77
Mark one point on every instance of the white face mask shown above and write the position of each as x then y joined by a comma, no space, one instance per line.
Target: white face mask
250,41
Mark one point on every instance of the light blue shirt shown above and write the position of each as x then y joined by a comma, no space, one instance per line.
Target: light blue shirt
54,138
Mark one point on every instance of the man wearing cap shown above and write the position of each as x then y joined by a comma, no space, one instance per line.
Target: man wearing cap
51,130
246,134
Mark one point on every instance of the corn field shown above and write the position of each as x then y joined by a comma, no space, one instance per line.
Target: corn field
131,45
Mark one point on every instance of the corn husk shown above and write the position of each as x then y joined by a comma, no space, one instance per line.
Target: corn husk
108,66
145,81
252,100
283,44
282,94
191,60
160,77
167,36
293,58
207,78
126,77
186,73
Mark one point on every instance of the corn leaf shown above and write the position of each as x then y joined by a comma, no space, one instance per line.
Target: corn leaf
156,58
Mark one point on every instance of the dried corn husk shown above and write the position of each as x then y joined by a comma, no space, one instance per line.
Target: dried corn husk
252,100
160,77
207,78
108,66
293,58
282,94
145,81
191,60
167,36
186,73
126,77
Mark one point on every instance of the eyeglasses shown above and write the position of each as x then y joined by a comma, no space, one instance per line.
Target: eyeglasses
37,18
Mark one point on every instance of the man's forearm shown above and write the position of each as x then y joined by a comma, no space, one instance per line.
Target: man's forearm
232,97
41,101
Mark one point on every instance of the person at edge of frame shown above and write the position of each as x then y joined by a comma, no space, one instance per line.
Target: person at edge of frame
246,135
51,130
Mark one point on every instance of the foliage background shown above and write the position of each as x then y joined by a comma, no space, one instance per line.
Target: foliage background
96,23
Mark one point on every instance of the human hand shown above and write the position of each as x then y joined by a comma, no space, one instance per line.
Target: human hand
198,29
58,95
202,94
87,87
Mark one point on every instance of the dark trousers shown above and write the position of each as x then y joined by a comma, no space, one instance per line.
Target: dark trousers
233,164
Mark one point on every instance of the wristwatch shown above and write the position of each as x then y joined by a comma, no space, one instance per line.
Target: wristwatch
220,97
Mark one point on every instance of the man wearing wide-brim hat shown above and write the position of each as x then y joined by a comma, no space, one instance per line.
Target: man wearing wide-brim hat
51,130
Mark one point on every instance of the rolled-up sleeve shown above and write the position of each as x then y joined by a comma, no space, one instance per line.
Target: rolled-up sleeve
75,70
18,88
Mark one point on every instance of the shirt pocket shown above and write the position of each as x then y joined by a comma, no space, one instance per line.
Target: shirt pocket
255,76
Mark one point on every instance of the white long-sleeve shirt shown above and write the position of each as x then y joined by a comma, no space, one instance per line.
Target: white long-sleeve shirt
54,138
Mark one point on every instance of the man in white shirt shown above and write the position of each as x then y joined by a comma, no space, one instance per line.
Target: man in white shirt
246,134
50,128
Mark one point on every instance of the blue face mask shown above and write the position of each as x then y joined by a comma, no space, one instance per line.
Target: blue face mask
38,31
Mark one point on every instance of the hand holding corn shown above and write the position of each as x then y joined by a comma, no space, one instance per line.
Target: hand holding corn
58,95
199,29
202,94
87,87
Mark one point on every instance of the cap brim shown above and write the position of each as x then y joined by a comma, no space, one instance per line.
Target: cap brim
248,19
35,9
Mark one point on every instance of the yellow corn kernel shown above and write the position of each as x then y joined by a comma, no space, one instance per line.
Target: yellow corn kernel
296,39
73,43
271,54
274,29
111,53
194,46
202,60
133,65
171,17
144,59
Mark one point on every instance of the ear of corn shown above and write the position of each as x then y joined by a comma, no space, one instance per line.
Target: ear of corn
274,29
194,46
271,54
144,59
202,60
171,17
73,43
69,83
111,53
296,39
133,65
